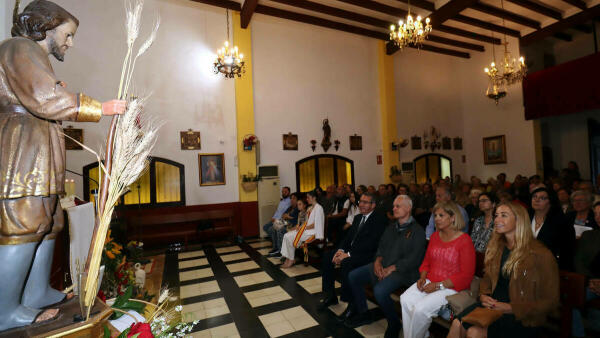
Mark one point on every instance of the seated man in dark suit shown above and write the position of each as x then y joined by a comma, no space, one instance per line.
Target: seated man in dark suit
356,249
401,251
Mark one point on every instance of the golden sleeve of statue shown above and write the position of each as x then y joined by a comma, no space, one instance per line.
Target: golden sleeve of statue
33,82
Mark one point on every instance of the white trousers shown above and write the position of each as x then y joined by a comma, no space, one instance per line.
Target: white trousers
287,246
418,309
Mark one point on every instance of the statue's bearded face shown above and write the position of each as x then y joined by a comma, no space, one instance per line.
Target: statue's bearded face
61,38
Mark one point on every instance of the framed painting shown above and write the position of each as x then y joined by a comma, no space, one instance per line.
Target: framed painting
446,143
190,140
494,149
290,141
415,142
457,143
355,142
212,169
76,134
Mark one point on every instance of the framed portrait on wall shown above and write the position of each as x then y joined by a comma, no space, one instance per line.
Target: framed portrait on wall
190,140
494,149
457,143
290,141
355,142
446,143
212,169
415,142
76,134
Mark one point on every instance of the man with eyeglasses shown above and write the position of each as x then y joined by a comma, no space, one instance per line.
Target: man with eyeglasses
356,249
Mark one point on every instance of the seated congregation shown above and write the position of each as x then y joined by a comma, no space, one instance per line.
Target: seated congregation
488,259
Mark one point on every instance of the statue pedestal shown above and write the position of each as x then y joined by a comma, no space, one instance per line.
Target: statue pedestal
64,325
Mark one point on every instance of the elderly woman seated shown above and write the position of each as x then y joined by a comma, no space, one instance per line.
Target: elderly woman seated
582,216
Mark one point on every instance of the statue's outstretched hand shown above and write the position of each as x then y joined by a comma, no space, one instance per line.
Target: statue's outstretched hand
114,107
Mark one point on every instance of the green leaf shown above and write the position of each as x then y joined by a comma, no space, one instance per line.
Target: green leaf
106,332
124,333
123,303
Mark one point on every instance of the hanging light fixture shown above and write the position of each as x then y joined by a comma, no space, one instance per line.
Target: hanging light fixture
229,61
411,32
512,71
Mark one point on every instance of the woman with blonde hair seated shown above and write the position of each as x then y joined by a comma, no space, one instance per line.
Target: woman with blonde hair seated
448,267
521,281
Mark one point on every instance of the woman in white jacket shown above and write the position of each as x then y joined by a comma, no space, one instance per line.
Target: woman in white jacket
312,229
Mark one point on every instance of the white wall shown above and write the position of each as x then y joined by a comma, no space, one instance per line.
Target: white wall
177,70
449,93
567,135
303,74
482,118
5,18
427,95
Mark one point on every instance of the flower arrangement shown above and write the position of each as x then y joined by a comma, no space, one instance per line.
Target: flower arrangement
250,177
394,171
249,141
163,320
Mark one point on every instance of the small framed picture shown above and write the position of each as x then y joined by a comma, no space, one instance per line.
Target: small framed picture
494,149
212,169
190,140
73,133
457,143
290,141
446,143
355,142
415,142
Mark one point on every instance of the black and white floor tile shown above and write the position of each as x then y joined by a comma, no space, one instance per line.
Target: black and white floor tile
236,291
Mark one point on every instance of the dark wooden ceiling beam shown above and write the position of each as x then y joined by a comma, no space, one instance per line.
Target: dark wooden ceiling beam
534,6
577,3
468,34
504,14
344,14
391,48
424,4
449,10
247,11
561,25
377,7
235,6
563,36
486,25
280,13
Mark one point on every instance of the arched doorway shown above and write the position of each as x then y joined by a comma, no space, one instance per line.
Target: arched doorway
432,167
323,171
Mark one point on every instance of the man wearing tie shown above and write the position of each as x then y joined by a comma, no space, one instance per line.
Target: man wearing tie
357,249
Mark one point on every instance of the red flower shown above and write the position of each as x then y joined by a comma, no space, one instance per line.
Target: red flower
102,296
142,328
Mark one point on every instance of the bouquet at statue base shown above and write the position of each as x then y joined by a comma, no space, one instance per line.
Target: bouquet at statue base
163,319
119,272
130,140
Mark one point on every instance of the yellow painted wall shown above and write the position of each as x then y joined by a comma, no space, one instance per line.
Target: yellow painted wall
387,99
244,102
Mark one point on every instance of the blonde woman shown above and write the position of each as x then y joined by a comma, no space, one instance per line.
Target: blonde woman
448,267
312,229
521,280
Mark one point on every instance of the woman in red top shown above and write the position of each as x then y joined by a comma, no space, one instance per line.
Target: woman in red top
448,267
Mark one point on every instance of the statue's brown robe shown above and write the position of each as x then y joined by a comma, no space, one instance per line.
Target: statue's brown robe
32,104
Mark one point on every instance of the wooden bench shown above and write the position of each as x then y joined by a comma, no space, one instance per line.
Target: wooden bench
164,224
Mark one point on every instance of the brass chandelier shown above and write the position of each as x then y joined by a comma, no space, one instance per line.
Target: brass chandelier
229,61
513,72
411,32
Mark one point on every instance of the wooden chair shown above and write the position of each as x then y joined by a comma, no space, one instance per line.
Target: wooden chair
572,296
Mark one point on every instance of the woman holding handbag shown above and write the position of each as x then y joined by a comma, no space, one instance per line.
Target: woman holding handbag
520,286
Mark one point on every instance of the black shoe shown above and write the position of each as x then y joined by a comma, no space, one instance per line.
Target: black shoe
327,302
358,319
274,250
274,254
392,332
349,312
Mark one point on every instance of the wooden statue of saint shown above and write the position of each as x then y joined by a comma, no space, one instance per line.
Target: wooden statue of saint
326,143
33,102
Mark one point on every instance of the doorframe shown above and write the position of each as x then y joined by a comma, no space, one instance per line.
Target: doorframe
316,158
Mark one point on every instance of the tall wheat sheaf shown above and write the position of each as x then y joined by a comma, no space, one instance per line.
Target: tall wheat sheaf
134,138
